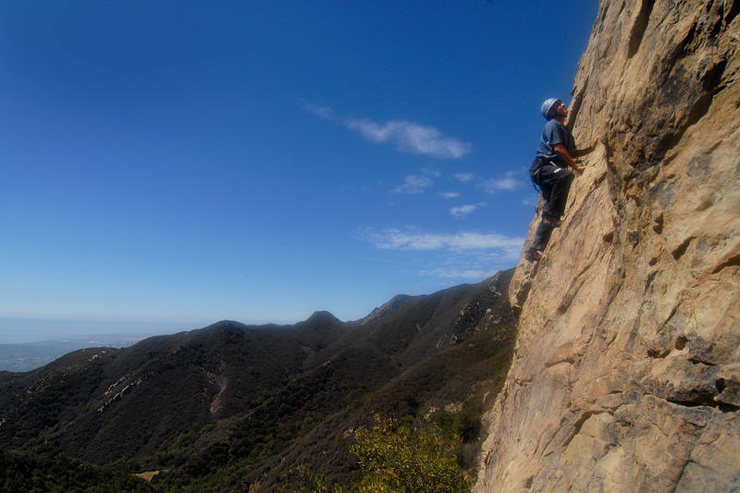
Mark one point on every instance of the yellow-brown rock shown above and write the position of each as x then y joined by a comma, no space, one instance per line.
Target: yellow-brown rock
626,374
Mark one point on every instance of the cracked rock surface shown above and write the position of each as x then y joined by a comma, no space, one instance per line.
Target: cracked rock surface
626,373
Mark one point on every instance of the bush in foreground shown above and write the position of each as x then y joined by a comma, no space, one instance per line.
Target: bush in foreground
402,457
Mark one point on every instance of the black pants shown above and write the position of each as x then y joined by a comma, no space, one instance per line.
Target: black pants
554,182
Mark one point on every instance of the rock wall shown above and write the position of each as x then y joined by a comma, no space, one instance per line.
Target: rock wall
626,374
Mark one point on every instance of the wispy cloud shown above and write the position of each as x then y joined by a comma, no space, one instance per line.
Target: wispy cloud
463,177
464,255
414,184
472,267
449,195
411,137
324,112
464,210
396,239
508,182
408,136
458,273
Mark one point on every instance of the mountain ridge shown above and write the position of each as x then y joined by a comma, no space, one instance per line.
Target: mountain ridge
231,394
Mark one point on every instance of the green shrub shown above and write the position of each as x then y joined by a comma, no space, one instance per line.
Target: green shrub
405,458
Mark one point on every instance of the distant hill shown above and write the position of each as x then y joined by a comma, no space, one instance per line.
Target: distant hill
231,405
29,356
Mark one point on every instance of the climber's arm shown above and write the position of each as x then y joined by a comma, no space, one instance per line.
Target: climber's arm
566,157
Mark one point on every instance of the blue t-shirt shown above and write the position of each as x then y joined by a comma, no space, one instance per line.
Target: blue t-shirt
555,133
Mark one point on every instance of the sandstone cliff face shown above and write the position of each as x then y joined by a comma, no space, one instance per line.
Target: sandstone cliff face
626,374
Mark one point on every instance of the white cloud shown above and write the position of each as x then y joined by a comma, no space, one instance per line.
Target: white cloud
464,210
472,266
395,239
408,136
414,184
456,273
449,195
464,255
463,177
411,137
508,182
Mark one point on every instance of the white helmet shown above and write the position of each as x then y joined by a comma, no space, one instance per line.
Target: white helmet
547,106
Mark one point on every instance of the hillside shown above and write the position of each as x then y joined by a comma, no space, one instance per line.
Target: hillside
233,406
626,369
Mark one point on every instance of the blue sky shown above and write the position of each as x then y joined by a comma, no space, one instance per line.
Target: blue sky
181,162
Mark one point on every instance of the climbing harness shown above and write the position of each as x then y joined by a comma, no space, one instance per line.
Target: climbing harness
535,179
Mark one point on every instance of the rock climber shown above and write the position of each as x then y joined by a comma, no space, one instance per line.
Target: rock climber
556,152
